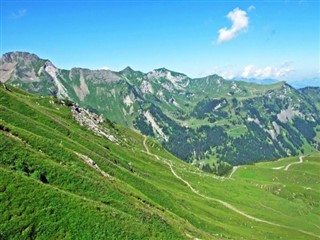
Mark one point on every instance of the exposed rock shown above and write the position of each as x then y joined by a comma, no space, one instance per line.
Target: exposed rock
83,89
146,87
255,120
95,76
217,107
276,127
92,121
93,164
168,86
53,72
272,133
129,100
155,126
288,114
113,92
10,70
131,111
164,73
235,87
6,71
176,79
161,95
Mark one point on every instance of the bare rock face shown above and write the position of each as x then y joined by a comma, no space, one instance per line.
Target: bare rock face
174,80
53,72
92,121
18,65
146,87
95,76
287,114
19,56
83,89
28,71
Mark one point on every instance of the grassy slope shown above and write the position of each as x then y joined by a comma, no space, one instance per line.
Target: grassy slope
46,190
108,98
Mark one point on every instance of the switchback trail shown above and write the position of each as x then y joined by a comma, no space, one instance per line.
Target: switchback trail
227,205
289,165
285,168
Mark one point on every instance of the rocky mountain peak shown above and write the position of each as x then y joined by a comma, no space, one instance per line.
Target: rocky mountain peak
167,71
127,70
215,77
20,65
11,57
49,64
173,77
161,70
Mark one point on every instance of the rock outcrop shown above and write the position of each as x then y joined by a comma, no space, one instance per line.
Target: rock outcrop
92,121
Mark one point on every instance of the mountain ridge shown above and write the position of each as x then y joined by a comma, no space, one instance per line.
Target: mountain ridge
14,55
202,116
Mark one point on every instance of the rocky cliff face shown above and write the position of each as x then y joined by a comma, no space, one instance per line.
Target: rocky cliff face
18,65
92,121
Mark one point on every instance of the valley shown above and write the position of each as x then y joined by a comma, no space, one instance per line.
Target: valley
159,120
59,179
216,123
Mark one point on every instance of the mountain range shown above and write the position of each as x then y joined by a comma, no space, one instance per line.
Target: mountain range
209,121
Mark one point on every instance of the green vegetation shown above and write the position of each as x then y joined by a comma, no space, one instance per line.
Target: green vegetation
49,189
208,118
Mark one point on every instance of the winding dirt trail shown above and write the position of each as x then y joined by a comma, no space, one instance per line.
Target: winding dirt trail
285,168
227,205
234,169
289,165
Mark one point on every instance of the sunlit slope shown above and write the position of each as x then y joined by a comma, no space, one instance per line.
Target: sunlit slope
216,123
49,189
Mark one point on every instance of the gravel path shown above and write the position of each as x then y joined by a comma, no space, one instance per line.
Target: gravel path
227,205
234,169
289,165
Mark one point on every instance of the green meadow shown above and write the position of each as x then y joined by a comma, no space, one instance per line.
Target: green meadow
135,189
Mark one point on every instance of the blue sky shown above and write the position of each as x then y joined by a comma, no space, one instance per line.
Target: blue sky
247,39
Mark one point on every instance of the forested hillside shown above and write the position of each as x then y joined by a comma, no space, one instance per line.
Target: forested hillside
212,120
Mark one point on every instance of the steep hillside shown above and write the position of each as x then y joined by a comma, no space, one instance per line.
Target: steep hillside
313,95
214,122
67,173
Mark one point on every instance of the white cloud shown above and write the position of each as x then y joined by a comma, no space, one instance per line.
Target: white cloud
251,8
227,75
227,72
247,71
276,72
240,22
19,14
104,68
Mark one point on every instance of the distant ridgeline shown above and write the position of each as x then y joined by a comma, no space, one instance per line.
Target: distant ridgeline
206,120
